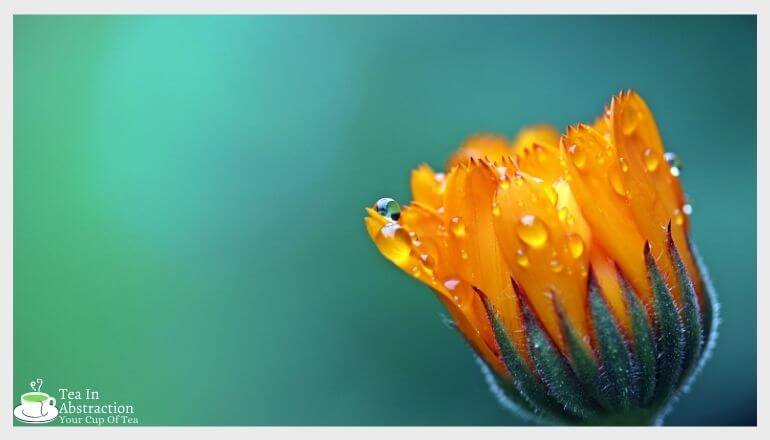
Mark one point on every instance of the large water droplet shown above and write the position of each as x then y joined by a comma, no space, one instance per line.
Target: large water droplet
458,227
388,208
578,156
575,244
532,231
394,242
651,160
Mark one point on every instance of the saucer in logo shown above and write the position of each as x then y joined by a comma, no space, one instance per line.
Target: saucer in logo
36,406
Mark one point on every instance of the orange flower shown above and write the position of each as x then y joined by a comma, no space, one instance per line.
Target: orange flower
521,232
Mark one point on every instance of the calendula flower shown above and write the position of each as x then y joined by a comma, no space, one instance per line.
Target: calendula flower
566,263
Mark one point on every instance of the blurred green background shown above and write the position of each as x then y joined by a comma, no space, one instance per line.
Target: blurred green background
189,193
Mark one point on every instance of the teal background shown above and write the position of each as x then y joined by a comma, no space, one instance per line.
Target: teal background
189,193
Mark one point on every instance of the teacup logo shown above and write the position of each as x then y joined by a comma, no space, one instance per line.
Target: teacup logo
36,406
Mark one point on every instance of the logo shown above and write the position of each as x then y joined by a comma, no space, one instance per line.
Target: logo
36,406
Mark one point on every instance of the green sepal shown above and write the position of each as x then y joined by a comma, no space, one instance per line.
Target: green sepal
507,395
504,390
528,385
669,332
691,316
551,365
643,343
581,358
616,376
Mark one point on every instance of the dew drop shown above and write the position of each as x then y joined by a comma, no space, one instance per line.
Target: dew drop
394,242
575,244
623,164
505,184
562,213
458,227
521,258
687,209
651,160
495,209
556,265
427,260
388,208
616,182
416,271
578,156
553,197
451,283
678,216
532,231
463,254
629,120
674,163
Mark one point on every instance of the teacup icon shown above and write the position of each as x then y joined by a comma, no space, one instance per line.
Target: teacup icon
37,404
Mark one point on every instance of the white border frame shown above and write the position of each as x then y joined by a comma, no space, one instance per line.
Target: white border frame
8,8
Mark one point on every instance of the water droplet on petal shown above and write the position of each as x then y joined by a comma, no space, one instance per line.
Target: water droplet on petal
678,217
495,209
651,160
578,156
562,213
532,231
394,242
540,153
623,164
521,258
556,265
553,197
629,120
458,227
575,244
427,260
675,165
388,208
450,284
616,182
687,209
463,254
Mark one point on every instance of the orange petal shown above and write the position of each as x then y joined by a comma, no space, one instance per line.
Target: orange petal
419,245
544,135
607,276
594,175
655,195
490,146
427,186
547,255
468,207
